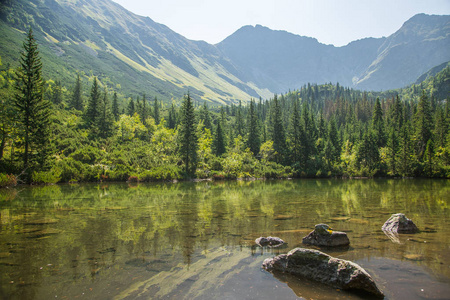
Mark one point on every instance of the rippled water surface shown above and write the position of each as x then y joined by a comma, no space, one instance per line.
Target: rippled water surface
196,240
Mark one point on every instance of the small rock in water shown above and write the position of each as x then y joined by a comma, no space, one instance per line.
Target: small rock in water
323,235
399,223
269,241
318,266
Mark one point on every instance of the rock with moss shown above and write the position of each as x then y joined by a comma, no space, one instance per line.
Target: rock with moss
399,223
318,266
323,235
269,241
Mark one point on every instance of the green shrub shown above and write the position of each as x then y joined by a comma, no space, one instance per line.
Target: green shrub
46,177
164,172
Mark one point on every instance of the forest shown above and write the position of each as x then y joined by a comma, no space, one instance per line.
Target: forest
87,131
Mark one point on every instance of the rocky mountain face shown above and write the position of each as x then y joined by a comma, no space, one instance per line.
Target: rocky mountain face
281,61
137,55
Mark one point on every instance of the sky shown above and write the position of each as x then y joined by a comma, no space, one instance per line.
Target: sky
336,22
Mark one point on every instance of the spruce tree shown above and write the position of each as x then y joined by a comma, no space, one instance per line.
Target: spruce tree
76,101
423,125
105,121
172,122
295,133
32,111
253,135
205,117
219,140
333,138
115,107
156,115
188,136
130,109
91,112
278,134
378,124
239,121
57,97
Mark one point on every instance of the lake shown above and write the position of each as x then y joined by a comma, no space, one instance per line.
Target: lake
197,240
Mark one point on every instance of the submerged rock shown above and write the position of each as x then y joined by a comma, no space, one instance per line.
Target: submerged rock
269,241
318,266
399,223
323,235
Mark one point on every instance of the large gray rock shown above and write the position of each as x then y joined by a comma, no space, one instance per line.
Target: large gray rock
399,223
318,266
269,241
323,235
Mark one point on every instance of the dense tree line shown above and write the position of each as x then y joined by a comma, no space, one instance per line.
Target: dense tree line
51,132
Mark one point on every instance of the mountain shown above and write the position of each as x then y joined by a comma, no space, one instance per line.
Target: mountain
101,38
282,61
135,55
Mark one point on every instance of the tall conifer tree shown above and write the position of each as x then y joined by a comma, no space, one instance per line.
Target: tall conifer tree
91,112
188,136
33,112
77,100
115,107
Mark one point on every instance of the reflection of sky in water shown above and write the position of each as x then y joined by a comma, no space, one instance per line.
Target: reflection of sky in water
196,240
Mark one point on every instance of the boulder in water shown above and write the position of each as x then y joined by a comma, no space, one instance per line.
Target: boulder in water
269,241
318,266
323,235
399,223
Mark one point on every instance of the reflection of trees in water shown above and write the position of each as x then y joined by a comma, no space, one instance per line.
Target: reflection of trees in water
101,225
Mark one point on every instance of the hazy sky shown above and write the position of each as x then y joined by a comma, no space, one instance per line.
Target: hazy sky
336,22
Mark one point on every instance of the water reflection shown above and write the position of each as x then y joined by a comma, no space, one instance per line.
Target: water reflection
166,240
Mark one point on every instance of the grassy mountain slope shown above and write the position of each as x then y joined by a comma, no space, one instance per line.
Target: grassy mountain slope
101,38
136,55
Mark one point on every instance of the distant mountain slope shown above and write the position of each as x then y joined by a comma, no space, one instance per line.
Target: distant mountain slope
137,55
432,72
280,60
101,38
422,43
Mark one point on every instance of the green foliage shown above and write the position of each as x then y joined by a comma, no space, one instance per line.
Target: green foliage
188,137
316,131
46,177
7,180
33,112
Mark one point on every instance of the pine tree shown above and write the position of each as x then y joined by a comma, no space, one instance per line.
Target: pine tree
76,101
105,121
239,121
91,112
333,138
172,122
32,111
253,135
423,125
378,124
156,111
393,149
219,140
295,134
57,97
405,151
188,137
278,134
205,117
115,107
130,108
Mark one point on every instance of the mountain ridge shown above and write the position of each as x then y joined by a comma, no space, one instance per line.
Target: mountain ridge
138,55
